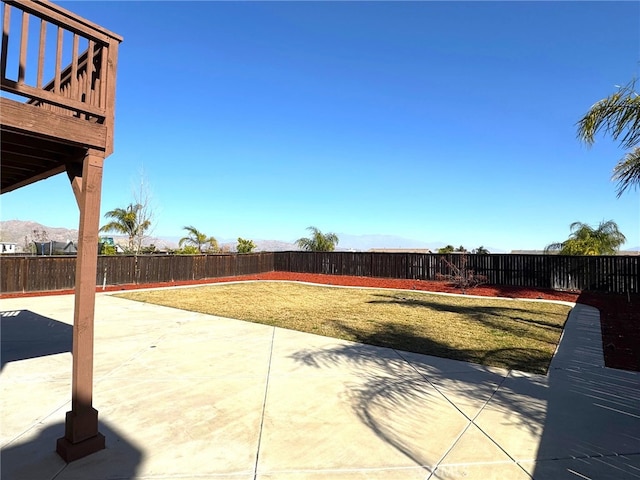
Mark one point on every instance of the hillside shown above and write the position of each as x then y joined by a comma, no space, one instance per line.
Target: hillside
17,231
21,232
24,231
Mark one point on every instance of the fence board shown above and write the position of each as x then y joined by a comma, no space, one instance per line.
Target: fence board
615,274
57,272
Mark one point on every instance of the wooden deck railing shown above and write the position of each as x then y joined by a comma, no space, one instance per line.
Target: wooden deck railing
85,88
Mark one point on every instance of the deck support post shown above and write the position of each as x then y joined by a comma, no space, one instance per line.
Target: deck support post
82,437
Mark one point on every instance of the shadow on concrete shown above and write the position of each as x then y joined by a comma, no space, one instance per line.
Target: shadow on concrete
395,403
591,425
380,394
587,420
592,418
416,339
36,458
25,334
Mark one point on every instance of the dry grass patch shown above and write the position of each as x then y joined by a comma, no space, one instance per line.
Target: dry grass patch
504,333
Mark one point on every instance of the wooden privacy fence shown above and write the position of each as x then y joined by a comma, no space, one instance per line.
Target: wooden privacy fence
168,268
614,274
29,274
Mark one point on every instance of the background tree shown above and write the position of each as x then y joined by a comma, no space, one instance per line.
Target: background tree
188,250
199,240
586,240
40,236
142,196
28,246
619,116
450,249
481,251
106,246
128,221
460,275
30,240
149,249
245,246
106,249
318,242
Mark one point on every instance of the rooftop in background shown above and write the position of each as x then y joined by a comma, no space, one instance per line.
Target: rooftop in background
542,252
400,250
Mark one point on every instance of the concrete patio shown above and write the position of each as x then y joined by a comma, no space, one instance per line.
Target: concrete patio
189,396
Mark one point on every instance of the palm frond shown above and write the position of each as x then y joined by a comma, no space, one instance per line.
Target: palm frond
586,240
627,172
617,115
113,227
305,243
318,242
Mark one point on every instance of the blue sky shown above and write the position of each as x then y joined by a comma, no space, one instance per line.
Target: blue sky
444,122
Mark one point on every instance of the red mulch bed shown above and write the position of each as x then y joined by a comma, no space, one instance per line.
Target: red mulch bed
619,314
620,325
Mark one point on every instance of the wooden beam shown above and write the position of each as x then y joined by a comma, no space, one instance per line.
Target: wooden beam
81,426
32,179
27,159
76,186
37,146
110,74
74,172
35,120
21,156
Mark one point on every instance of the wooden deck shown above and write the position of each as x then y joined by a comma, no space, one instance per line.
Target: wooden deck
47,124
57,118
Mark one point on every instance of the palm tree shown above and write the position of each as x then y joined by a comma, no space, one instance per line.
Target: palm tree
481,251
199,240
318,242
619,116
245,246
130,222
585,240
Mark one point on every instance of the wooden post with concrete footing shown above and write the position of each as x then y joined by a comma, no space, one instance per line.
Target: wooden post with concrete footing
47,127
81,428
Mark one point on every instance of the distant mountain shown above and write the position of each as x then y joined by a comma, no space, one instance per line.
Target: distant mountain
367,242
164,242
20,231
274,246
230,244
17,230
